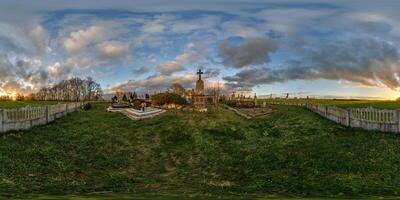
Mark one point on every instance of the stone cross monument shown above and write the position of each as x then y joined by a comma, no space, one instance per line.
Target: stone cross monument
199,100
200,84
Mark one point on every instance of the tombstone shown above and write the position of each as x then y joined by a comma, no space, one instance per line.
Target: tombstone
114,99
124,98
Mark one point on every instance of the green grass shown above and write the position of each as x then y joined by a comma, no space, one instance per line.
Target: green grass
341,103
18,104
147,197
292,152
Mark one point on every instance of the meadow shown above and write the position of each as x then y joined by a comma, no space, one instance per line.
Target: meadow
18,104
290,153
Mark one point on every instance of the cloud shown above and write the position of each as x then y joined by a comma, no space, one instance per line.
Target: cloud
212,72
39,37
60,70
243,29
204,23
367,61
78,41
279,19
158,25
16,87
153,83
251,52
21,46
112,50
186,57
21,71
191,54
141,70
169,67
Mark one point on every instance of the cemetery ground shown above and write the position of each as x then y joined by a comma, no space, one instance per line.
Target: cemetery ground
291,152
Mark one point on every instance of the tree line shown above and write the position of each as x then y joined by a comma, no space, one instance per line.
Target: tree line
74,89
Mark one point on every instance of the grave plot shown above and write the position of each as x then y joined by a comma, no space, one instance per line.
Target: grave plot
137,114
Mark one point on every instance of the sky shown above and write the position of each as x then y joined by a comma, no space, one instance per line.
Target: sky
303,47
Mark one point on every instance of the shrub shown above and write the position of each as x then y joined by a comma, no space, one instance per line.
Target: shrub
167,98
87,106
137,104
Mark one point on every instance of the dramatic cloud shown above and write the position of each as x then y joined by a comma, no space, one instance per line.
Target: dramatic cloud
253,51
366,61
21,46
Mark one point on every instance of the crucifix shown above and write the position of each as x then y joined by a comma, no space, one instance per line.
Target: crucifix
200,73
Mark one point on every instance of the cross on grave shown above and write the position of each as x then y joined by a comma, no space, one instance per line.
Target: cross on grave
200,73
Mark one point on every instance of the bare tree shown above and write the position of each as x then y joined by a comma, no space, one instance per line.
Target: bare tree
74,89
177,89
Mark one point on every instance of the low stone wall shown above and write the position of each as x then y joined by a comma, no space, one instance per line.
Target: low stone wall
28,117
237,112
137,114
365,118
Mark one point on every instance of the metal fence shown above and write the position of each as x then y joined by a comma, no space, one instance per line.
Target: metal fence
27,117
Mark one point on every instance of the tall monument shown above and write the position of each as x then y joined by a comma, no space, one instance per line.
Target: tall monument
200,84
199,98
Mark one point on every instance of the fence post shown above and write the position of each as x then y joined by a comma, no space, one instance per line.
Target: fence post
348,117
47,114
1,121
326,111
398,120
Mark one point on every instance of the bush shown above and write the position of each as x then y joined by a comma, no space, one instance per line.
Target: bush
167,98
137,104
87,106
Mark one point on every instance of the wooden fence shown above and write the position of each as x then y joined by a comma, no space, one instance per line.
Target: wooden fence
27,117
365,118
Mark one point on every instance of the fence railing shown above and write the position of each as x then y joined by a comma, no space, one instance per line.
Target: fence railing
27,117
365,118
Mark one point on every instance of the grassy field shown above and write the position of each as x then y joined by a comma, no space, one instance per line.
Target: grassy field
18,104
341,103
291,152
